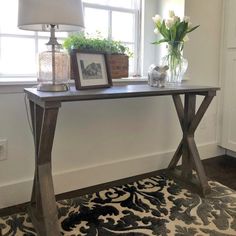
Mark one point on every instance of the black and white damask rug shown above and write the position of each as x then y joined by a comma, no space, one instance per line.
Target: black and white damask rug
152,206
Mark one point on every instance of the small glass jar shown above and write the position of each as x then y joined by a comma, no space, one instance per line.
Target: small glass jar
56,79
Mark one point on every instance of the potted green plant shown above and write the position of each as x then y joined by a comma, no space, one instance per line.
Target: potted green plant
117,53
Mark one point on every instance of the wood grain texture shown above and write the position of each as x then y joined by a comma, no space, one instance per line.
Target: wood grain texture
43,209
189,113
122,91
189,121
179,108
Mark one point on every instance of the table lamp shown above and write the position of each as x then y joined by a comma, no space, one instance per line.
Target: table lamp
51,15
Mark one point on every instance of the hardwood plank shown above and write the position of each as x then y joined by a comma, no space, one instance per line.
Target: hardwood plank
36,119
189,113
179,108
198,165
119,91
177,155
200,113
43,202
49,208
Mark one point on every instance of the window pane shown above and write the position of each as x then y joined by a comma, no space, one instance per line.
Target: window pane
122,3
42,44
123,26
131,58
101,2
114,3
17,56
96,24
9,17
57,34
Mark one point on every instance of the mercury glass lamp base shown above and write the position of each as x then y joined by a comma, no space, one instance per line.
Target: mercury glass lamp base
52,87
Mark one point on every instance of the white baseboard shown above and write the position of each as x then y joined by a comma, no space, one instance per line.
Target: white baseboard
231,153
20,192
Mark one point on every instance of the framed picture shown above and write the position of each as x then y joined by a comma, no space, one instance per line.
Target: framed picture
90,70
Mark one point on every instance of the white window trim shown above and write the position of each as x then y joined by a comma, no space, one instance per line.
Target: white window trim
147,57
15,80
18,86
36,37
137,33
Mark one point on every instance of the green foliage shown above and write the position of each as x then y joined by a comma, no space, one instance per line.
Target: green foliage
83,42
173,29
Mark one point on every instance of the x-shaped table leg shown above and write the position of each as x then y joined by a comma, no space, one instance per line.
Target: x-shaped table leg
43,209
189,121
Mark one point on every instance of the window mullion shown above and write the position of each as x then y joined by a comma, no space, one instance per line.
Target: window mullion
35,39
36,43
137,45
110,25
103,7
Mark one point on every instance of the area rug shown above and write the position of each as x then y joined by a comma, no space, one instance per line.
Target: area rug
152,206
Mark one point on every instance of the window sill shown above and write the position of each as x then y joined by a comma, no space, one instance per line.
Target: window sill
130,80
11,87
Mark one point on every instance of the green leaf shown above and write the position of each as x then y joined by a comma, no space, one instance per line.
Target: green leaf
164,31
173,33
161,41
181,30
80,41
192,29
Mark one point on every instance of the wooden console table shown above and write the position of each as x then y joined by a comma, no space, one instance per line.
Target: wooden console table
44,107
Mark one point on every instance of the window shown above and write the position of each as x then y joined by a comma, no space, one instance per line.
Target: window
118,20
114,19
18,48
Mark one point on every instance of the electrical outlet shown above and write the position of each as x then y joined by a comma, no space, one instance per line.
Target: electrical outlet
3,149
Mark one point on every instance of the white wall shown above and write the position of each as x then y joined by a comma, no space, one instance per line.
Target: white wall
228,73
148,50
151,53
203,49
100,141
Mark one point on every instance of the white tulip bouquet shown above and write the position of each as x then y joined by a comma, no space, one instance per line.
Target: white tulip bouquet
174,32
173,29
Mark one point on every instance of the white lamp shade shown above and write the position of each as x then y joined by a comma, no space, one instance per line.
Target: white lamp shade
35,15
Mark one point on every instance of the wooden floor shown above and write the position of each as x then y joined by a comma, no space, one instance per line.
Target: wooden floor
221,169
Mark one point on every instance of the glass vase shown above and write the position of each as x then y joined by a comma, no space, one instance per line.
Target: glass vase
54,71
176,62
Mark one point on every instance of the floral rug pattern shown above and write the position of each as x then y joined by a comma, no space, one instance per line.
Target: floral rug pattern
152,206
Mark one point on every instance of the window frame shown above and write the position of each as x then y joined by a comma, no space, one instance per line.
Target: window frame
19,78
137,27
36,37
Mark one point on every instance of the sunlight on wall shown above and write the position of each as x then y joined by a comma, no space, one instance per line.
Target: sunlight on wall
176,5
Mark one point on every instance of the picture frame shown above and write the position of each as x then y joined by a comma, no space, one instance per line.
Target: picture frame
90,70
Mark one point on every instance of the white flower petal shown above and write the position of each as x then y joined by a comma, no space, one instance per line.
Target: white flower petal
157,19
169,23
171,14
186,19
186,38
156,31
176,18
